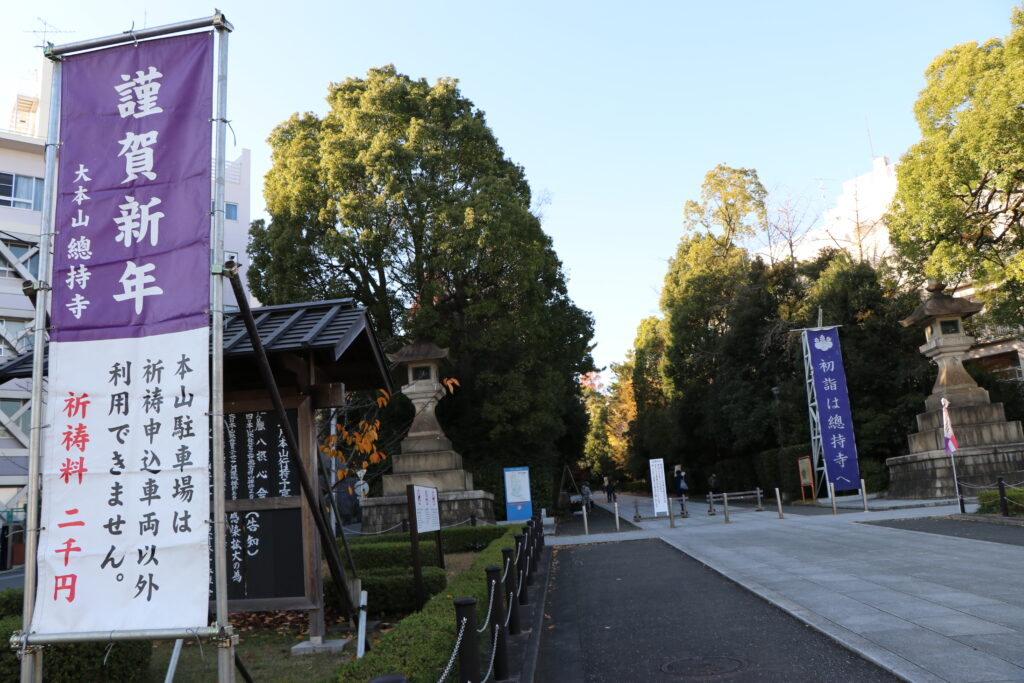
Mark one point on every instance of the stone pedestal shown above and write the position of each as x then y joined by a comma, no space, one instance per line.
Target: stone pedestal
990,446
454,506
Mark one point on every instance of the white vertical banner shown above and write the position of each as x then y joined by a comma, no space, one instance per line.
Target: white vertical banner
427,515
658,490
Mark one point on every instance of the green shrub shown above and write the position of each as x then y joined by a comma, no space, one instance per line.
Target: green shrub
74,662
875,474
988,502
11,602
391,591
10,665
419,646
371,557
457,539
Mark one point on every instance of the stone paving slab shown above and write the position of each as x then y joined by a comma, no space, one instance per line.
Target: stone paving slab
924,606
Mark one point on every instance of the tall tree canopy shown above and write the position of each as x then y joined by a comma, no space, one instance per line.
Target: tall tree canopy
402,198
959,209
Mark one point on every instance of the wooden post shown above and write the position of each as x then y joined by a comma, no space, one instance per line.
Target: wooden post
440,550
417,567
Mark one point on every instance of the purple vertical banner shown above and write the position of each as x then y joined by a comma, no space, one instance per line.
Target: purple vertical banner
125,488
837,443
132,242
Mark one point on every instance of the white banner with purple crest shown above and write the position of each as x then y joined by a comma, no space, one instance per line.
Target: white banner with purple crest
125,485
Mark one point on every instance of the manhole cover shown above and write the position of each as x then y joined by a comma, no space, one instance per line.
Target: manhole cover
702,667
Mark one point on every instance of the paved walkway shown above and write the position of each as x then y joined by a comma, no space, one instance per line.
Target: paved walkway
924,606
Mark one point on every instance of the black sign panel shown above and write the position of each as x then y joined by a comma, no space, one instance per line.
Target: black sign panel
264,518
270,543
256,462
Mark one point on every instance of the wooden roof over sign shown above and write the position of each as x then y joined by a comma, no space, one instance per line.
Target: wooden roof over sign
337,333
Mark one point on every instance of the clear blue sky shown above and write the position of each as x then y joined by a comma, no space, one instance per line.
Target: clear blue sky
616,110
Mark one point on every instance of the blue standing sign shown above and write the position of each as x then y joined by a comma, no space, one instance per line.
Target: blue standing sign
838,447
517,493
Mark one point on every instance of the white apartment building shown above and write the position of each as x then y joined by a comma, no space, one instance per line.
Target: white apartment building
855,223
22,147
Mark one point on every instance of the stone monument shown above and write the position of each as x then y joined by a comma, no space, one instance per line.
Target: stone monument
427,458
990,445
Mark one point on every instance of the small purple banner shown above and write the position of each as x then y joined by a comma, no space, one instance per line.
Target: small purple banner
838,446
132,228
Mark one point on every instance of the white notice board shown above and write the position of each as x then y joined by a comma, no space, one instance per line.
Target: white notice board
658,486
427,516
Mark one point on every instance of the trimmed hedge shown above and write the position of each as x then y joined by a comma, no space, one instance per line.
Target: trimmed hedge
372,557
10,665
988,502
456,539
72,662
419,646
12,602
391,591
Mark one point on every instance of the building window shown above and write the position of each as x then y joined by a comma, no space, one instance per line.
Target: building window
21,252
10,408
230,211
16,337
21,191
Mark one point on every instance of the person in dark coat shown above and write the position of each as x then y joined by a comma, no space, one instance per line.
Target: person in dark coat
679,481
609,490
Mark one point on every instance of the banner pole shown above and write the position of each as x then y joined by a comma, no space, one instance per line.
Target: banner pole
226,648
32,662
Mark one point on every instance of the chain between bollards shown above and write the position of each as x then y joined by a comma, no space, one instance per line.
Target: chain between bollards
498,631
511,588
521,568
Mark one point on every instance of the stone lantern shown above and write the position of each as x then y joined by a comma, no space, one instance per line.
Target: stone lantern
427,458
942,316
990,445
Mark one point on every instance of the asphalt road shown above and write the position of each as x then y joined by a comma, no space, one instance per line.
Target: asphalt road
599,521
643,611
14,578
979,531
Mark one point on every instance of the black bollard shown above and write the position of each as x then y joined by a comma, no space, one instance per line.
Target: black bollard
499,637
538,542
469,648
405,526
390,678
1004,508
520,566
509,594
472,519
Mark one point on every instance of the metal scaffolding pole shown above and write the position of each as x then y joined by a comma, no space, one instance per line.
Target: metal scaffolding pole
32,662
226,646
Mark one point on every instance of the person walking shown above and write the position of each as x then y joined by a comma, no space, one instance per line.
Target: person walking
588,496
679,481
609,490
712,490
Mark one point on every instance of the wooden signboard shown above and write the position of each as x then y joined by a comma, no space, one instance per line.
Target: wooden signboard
266,561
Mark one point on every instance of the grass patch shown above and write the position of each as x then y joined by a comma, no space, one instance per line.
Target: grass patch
265,653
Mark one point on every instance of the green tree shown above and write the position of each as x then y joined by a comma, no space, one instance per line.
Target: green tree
732,206
401,197
958,214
